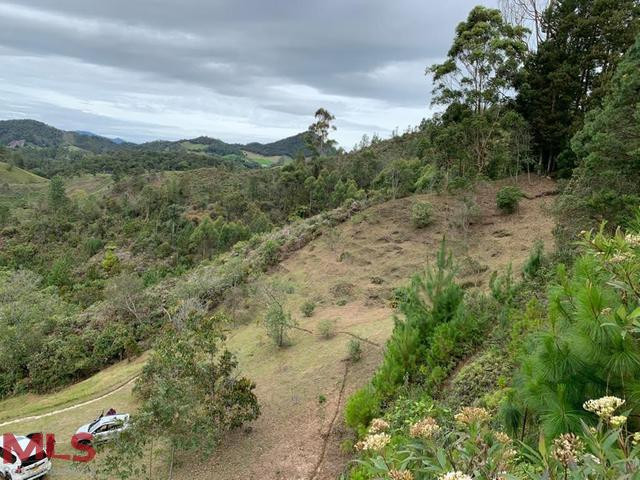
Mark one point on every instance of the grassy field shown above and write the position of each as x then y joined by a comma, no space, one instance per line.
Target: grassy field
94,387
84,185
265,161
16,176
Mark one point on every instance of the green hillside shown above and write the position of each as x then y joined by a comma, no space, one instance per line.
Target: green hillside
14,175
287,147
38,134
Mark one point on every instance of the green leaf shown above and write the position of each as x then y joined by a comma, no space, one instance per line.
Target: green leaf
635,314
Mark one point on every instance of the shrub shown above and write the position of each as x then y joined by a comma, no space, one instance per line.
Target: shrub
362,407
327,328
590,337
111,262
421,214
534,262
269,254
355,350
466,214
93,245
308,308
507,199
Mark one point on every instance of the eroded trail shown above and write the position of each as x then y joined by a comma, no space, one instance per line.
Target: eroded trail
303,388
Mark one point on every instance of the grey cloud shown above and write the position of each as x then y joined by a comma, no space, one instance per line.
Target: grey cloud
357,49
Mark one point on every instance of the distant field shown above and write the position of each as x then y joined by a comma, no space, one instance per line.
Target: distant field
88,184
14,175
265,161
194,147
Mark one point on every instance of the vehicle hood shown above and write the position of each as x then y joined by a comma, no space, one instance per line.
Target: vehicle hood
83,429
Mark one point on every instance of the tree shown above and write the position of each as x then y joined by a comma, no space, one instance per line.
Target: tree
526,12
57,193
205,236
127,296
318,132
606,183
482,63
569,73
277,320
190,392
590,346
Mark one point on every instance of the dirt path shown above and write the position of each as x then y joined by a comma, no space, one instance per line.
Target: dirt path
72,407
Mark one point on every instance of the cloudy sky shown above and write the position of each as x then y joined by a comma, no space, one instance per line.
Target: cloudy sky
239,70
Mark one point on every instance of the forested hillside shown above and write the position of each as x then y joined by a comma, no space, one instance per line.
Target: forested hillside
290,147
48,151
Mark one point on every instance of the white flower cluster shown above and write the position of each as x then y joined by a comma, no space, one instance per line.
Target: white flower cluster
425,428
633,240
378,425
469,415
621,257
400,475
375,442
566,449
502,437
603,407
454,476
618,421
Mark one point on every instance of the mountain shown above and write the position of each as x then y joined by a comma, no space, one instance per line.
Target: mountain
38,134
206,145
289,147
32,133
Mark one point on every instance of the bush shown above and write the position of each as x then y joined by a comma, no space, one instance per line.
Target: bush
93,245
421,214
327,328
466,214
308,308
535,261
507,199
355,350
362,407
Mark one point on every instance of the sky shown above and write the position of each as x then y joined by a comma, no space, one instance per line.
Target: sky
238,70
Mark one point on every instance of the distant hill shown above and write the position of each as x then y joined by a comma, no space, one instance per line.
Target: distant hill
289,147
38,134
32,135
205,145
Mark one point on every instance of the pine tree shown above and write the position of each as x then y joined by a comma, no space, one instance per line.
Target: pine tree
570,71
606,184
